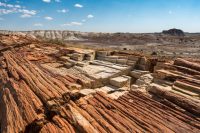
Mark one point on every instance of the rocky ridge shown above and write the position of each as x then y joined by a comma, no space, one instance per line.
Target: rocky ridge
172,36
174,32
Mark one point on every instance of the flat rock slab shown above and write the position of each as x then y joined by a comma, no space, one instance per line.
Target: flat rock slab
117,94
120,81
86,92
106,89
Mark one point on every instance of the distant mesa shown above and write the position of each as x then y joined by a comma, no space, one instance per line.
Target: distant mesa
174,32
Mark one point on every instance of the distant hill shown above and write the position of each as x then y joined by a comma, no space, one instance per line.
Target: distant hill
174,32
172,36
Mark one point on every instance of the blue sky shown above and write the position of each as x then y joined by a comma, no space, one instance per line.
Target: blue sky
138,16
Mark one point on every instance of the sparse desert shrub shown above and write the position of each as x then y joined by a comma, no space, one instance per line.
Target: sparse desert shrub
124,48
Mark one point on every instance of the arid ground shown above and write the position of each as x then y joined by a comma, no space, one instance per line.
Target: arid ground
73,82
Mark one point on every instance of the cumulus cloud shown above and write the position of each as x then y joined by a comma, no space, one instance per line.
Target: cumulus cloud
48,18
26,16
6,11
76,23
38,25
90,16
3,4
17,6
78,5
9,8
46,1
25,11
62,11
73,24
9,5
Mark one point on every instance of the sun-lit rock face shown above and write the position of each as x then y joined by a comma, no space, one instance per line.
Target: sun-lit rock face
55,89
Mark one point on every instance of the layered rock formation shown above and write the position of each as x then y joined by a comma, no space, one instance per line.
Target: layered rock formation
174,36
49,88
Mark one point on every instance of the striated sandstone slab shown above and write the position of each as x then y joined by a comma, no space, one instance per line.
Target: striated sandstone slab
121,81
39,94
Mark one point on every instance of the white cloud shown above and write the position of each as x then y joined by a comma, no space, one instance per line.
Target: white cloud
6,11
78,5
10,6
62,11
38,25
26,16
76,23
73,24
25,11
48,18
83,20
16,9
3,4
90,16
46,1
17,6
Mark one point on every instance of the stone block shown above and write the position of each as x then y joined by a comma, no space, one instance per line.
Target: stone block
113,57
112,60
64,58
117,94
122,81
123,57
143,61
90,57
134,87
131,63
72,61
86,92
106,89
133,58
142,67
102,53
77,57
101,58
68,65
82,64
122,61
138,73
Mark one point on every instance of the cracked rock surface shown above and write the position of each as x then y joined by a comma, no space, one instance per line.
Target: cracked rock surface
39,93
